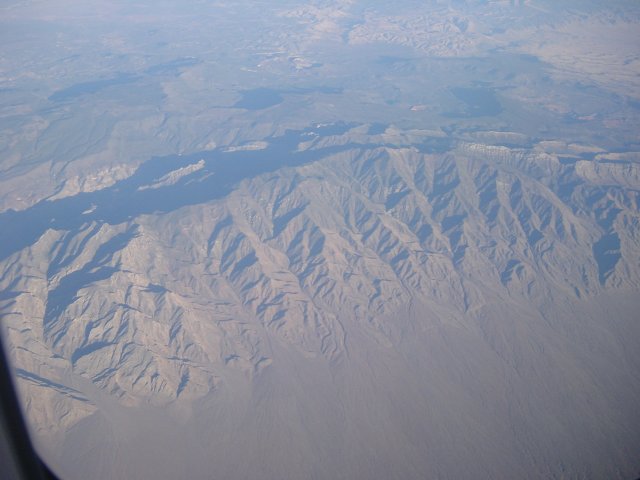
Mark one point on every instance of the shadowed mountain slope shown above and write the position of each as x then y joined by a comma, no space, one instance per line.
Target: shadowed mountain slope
356,309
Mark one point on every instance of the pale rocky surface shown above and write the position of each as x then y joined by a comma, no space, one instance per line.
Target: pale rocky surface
376,283
329,240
